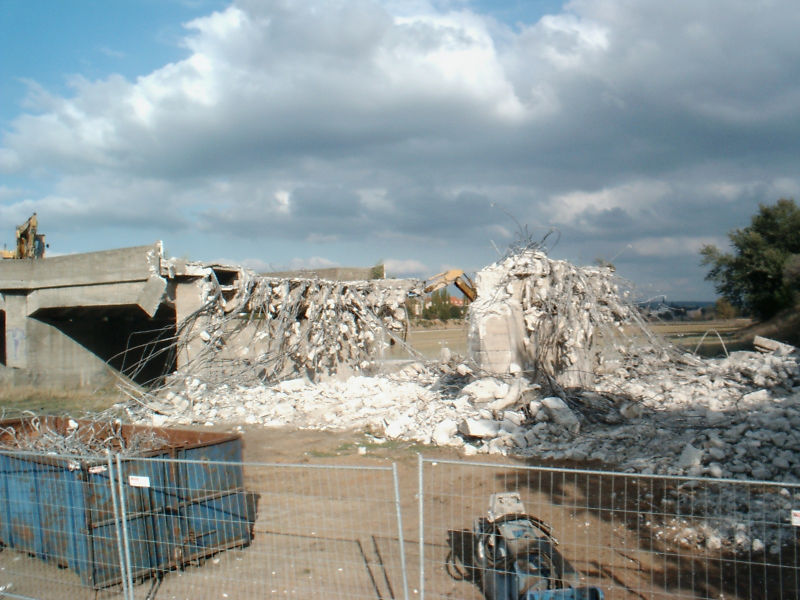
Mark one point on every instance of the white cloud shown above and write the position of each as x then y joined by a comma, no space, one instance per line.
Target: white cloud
111,53
672,246
380,127
283,198
9,160
500,231
630,197
396,267
375,199
258,265
313,262
571,41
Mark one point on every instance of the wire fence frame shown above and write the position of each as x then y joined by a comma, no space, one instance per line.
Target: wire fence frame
46,514
322,504
379,496
634,536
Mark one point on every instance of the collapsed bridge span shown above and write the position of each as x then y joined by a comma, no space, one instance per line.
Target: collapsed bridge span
84,320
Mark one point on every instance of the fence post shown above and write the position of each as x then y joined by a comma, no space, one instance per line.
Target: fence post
400,531
124,527
420,497
123,564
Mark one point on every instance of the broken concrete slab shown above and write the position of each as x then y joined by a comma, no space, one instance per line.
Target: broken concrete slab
487,389
561,413
763,344
479,428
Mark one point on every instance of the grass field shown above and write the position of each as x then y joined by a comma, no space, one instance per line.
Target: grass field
686,334
707,337
43,401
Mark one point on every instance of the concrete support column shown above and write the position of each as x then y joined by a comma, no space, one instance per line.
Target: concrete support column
495,337
16,307
189,297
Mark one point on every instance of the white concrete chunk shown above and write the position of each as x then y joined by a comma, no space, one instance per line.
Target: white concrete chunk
479,428
561,413
483,390
690,457
444,431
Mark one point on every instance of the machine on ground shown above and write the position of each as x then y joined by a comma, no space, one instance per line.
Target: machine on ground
516,559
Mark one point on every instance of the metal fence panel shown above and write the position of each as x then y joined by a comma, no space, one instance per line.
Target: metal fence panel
58,527
196,529
631,535
278,531
186,528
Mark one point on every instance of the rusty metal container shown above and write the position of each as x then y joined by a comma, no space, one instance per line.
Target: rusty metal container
62,508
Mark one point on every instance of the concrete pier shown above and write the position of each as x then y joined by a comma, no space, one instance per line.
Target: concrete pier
85,319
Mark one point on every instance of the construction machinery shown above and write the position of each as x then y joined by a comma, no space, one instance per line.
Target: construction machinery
515,556
455,276
28,242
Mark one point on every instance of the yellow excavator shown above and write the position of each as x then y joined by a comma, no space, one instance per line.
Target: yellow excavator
455,276
29,243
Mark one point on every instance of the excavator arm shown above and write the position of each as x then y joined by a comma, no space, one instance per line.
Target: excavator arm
455,276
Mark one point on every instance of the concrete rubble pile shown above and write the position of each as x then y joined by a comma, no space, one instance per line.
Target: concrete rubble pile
645,408
544,317
274,328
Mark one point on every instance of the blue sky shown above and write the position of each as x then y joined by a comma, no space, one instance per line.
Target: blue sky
286,134
49,42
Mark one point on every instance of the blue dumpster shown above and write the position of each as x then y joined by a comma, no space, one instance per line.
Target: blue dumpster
61,508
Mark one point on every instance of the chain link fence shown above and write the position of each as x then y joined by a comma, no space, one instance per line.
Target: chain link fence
135,528
162,528
629,535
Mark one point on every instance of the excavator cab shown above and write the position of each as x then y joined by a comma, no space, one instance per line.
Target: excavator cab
29,243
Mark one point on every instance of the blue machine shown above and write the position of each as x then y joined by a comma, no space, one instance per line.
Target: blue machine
516,557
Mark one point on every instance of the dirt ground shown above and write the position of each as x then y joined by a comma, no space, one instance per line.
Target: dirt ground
596,519
335,530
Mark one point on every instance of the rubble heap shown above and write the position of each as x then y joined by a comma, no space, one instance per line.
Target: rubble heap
559,374
732,417
736,417
274,328
544,317
68,437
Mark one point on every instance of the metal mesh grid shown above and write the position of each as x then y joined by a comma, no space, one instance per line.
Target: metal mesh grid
631,535
58,528
167,528
278,531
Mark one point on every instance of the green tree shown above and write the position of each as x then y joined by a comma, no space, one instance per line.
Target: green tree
760,276
723,309
440,307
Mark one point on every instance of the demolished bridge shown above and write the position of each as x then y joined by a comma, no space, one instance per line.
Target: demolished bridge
89,320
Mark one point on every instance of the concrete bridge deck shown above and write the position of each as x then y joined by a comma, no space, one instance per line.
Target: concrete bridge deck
84,319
